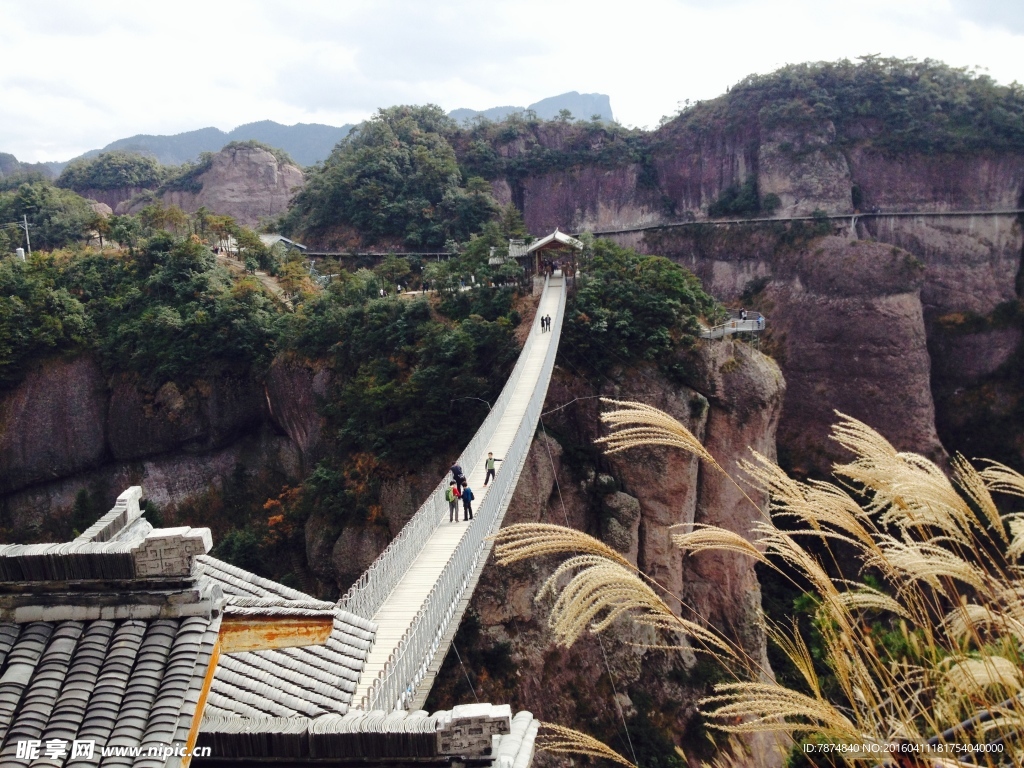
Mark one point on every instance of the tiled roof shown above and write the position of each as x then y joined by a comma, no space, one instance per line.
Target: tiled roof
110,639
554,240
124,683
307,681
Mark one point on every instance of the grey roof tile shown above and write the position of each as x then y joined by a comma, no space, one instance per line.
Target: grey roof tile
304,681
18,670
33,712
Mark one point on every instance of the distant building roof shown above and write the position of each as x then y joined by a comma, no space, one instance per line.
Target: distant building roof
517,249
272,240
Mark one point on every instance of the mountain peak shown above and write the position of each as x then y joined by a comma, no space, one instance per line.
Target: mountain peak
583,106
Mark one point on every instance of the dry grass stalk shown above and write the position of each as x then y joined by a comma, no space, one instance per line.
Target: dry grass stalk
637,424
527,540
705,537
565,741
767,707
600,591
951,596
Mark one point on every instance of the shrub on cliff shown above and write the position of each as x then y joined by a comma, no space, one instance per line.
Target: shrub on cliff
521,146
166,312
900,105
112,170
631,307
57,217
400,371
37,315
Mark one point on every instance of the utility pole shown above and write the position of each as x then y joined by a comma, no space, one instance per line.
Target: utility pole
24,225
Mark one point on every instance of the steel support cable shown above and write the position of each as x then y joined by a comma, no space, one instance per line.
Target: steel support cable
464,672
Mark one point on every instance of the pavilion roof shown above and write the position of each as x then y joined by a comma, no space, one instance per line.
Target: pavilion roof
555,240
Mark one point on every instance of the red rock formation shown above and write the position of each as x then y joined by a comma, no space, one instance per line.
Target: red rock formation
733,405
247,183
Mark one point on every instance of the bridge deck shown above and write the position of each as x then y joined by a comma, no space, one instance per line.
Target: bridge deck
400,607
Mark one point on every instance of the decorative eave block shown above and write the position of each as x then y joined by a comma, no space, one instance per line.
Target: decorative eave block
170,551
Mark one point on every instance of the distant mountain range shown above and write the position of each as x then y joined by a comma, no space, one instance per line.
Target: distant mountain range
583,106
307,143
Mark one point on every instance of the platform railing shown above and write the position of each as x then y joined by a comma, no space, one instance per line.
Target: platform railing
366,596
396,684
753,322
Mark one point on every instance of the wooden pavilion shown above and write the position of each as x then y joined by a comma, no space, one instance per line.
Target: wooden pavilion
556,248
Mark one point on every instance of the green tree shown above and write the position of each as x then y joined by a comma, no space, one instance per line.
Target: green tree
37,314
631,307
395,177
57,217
126,230
112,170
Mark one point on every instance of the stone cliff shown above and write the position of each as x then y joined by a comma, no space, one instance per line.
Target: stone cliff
631,501
67,426
247,183
888,353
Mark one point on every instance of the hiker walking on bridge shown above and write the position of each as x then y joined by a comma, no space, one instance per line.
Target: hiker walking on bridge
457,475
489,465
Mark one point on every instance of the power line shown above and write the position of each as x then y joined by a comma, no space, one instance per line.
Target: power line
23,224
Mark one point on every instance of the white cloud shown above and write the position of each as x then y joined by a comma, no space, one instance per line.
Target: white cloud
75,76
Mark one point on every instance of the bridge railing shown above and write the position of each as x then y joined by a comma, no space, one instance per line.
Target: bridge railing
366,596
396,684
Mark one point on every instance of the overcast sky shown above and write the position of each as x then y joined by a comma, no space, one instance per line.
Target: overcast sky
77,75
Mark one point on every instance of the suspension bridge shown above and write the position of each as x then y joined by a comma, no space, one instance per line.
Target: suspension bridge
417,590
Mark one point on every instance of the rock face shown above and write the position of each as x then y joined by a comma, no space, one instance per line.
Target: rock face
54,423
851,338
207,415
67,426
806,171
294,391
842,344
101,209
247,183
632,501
112,198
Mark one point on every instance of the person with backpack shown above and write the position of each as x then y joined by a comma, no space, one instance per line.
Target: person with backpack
457,475
452,497
489,466
467,502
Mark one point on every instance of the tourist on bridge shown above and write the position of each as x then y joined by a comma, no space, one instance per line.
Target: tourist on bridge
489,465
452,497
467,501
457,475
